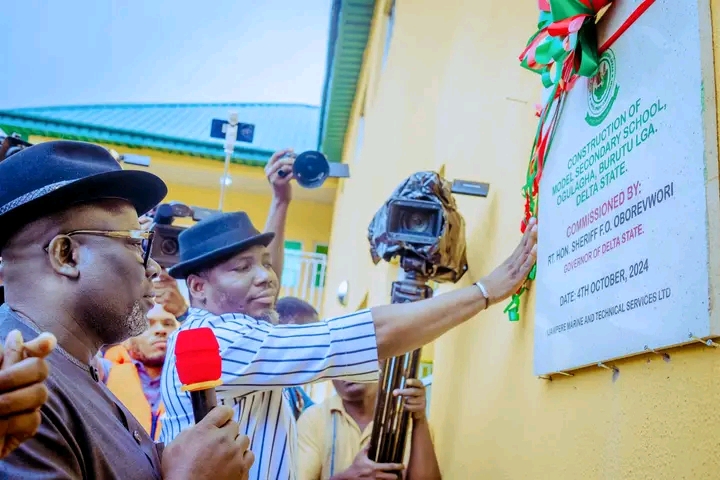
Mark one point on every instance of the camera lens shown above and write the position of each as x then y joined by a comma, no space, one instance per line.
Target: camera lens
311,169
169,246
415,221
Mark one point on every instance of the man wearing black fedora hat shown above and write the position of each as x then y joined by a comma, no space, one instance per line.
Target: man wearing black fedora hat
76,264
233,287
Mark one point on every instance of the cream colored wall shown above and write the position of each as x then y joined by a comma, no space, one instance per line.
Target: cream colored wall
453,93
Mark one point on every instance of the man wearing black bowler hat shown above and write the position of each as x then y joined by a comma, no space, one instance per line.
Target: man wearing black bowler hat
76,264
230,277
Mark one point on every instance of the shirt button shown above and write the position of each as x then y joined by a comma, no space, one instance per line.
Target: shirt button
136,436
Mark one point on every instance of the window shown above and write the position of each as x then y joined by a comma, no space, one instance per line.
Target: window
293,245
426,369
427,381
388,32
292,267
321,270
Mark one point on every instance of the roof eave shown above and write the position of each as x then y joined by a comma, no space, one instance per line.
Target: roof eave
349,33
30,125
329,65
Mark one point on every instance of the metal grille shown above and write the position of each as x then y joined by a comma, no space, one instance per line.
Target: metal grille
304,276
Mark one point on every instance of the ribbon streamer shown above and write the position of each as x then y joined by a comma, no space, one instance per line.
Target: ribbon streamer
563,49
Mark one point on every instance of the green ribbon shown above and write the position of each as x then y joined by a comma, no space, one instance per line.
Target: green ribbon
554,43
564,9
547,53
587,58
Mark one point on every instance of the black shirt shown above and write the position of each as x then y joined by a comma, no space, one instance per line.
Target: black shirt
85,433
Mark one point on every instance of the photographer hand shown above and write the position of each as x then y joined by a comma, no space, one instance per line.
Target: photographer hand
507,278
145,222
282,191
415,398
364,468
167,294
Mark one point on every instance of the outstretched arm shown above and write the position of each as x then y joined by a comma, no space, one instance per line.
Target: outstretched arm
277,216
257,355
403,327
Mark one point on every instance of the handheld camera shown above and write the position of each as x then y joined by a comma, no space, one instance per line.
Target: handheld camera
312,168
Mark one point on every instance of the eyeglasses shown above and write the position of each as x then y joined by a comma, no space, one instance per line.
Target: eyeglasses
141,238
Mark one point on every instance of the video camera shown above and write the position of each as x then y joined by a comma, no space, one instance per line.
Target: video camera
421,226
421,222
165,248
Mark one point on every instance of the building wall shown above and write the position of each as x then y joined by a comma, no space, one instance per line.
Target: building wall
452,95
308,222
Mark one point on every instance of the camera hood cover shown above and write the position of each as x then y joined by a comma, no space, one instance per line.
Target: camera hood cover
446,258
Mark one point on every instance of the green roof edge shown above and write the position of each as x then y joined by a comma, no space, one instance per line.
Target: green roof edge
341,53
329,66
28,124
156,105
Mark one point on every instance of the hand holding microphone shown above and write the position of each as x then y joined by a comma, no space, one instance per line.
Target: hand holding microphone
213,448
210,450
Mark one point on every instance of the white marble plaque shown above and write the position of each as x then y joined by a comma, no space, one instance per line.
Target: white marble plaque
623,239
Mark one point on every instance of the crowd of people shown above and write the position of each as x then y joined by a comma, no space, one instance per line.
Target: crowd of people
93,391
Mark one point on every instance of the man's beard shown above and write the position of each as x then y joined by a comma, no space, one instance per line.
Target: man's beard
270,316
111,332
136,322
136,354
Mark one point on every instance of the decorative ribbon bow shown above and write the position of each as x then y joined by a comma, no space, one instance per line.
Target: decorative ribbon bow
563,48
566,36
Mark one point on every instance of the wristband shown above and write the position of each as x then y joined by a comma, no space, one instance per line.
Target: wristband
484,292
184,316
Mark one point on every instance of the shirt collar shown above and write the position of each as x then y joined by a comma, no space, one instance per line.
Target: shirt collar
138,364
143,370
195,313
336,405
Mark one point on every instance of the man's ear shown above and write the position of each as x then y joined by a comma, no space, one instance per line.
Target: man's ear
196,288
63,253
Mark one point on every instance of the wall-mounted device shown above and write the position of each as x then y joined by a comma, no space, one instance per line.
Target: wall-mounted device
343,292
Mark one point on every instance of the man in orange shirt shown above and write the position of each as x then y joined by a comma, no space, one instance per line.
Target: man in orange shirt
133,369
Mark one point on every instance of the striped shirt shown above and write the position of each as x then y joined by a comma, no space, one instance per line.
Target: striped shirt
258,361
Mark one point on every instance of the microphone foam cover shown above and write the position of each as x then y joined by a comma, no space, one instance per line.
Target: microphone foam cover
197,356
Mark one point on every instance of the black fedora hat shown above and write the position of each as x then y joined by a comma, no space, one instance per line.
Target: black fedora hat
214,240
52,176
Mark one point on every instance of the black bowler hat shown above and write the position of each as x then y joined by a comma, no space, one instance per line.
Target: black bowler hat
214,240
52,176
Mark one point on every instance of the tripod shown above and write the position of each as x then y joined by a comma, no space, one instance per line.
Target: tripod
390,422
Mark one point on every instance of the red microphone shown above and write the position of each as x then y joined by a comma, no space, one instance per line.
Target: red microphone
199,366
